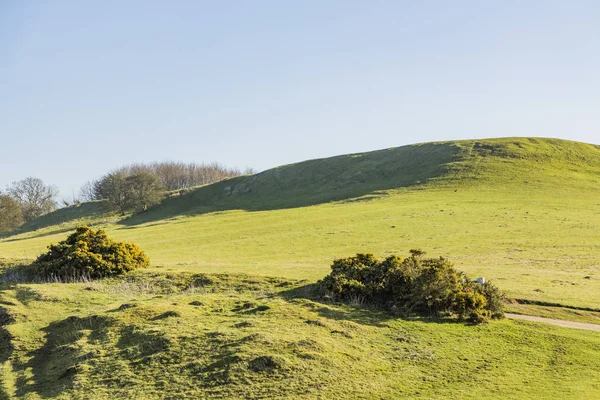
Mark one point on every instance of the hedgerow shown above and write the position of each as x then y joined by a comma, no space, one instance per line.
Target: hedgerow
89,253
414,284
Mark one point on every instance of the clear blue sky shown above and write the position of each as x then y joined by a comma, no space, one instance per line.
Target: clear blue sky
86,86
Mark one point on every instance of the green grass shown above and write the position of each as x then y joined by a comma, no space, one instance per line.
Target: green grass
91,213
523,213
554,312
248,337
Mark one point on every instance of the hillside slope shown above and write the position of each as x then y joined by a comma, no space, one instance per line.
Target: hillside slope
501,162
315,181
225,310
521,211
492,162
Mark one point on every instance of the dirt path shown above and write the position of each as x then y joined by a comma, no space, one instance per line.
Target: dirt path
559,322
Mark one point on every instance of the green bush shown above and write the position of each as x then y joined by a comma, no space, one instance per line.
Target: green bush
91,254
414,284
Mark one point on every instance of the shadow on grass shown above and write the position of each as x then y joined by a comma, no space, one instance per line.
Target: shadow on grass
15,274
64,215
310,297
136,344
352,177
222,361
56,363
557,305
6,350
6,339
50,233
6,345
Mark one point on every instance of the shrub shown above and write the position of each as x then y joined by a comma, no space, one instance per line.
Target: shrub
125,193
494,299
89,253
414,284
11,214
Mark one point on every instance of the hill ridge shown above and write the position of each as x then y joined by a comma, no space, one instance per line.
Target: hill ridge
493,162
458,164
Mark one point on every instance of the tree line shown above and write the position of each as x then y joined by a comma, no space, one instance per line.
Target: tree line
136,187
171,175
131,188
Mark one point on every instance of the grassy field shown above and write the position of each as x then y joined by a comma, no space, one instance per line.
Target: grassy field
533,245
523,213
238,336
526,216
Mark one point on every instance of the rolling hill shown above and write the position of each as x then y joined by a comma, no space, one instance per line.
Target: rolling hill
224,310
522,211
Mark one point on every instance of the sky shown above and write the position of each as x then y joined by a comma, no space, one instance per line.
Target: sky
87,86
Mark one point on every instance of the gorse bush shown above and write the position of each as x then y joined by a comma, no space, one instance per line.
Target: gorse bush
89,253
414,284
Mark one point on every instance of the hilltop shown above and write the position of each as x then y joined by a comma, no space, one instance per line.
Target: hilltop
521,163
490,163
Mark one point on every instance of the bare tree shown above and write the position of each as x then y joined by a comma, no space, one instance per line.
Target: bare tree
87,191
174,175
34,196
68,201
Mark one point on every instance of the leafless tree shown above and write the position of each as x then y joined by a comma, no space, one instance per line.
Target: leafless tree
87,192
175,175
68,201
35,197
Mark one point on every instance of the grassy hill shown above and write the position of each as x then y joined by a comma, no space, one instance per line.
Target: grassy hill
490,163
531,162
523,212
